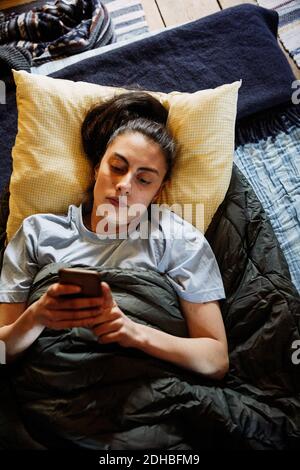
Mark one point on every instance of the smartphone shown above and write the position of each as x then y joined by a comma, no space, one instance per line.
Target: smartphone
88,280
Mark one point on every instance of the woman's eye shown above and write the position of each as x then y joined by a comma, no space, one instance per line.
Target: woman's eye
117,169
144,181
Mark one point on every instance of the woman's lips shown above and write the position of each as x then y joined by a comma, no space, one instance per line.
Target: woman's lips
117,202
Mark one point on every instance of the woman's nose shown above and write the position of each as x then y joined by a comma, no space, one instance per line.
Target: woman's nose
124,186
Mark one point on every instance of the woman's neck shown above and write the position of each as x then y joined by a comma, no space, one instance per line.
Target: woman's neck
91,221
86,218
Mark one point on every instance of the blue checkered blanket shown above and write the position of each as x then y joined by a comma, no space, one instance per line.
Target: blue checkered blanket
272,165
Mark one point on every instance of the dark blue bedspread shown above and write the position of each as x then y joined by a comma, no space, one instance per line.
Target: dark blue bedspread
235,43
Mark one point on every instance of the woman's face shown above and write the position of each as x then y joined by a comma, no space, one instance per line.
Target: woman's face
131,173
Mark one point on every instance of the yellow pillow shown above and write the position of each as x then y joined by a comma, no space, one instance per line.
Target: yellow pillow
50,171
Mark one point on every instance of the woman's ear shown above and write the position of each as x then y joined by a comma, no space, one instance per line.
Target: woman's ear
96,169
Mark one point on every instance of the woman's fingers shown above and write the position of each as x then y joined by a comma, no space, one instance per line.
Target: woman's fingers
108,301
107,327
61,298
86,319
74,315
60,319
112,337
58,289
63,312
76,304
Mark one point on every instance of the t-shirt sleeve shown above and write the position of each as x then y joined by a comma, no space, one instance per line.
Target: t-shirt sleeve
192,268
19,264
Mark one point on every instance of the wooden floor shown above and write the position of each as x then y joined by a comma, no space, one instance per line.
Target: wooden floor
163,13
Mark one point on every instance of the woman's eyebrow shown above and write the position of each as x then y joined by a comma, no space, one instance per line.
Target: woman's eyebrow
144,168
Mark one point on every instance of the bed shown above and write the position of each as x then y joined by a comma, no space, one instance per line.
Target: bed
156,405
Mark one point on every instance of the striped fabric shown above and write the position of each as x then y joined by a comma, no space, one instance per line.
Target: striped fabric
128,18
272,166
58,29
129,25
127,15
289,24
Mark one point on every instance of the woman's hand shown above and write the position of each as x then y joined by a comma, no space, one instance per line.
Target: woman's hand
55,311
113,326
101,314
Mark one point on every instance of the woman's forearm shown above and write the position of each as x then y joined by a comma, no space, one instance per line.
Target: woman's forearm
19,335
206,356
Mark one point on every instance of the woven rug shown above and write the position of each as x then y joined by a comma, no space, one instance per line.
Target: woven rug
289,24
127,15
128,18
269,157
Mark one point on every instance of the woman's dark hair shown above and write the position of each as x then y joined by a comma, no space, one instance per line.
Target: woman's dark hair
135,111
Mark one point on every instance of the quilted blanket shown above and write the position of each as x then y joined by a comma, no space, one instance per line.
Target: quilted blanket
71,392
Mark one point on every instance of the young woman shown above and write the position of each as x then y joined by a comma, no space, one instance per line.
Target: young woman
132,154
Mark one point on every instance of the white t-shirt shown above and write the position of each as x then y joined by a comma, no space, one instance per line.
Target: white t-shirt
173,247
